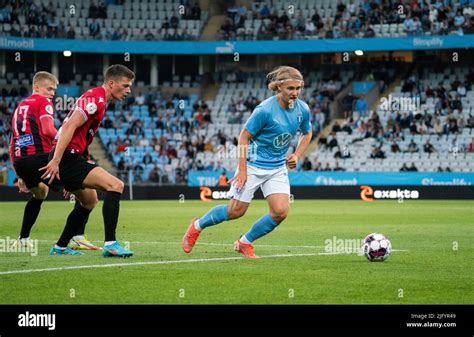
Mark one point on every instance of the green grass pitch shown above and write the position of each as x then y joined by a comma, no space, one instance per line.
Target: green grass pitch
433,261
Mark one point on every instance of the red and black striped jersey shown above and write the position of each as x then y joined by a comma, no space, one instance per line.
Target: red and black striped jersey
92,106
28,137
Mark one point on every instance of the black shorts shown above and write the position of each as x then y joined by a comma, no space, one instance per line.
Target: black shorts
73,169
27,168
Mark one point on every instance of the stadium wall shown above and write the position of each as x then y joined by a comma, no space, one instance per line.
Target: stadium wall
318,178
367,193
242,47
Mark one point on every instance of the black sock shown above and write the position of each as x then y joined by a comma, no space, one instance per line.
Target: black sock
110,212
32,209
84,219
74,222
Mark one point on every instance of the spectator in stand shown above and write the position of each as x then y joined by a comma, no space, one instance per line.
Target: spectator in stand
404,168
428,147
412,147
361,106
154,175
412,168
210,167
327,168
94,29
470,147
140,99
395,148
338,168
461,90
307,166
147,159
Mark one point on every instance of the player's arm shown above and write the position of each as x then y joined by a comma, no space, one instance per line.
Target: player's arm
305,139
240,178
21,184
47,126
64,138
303,143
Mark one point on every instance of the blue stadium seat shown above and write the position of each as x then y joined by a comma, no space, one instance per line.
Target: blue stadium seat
193,98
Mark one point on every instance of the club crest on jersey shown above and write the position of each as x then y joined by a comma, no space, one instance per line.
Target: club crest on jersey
299,118
282,140
49,109
91,108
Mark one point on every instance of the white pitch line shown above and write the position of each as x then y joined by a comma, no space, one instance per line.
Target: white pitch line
200,243
10,272
147,263
212,244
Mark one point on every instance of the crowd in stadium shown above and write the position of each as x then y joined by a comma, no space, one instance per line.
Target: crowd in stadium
43,21
447,118
347,20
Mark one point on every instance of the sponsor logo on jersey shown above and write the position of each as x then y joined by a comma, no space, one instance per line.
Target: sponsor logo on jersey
282,140
24,140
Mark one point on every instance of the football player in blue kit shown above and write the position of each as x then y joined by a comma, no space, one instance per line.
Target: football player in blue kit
263,161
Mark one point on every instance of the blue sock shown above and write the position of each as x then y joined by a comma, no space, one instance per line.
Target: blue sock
262,227
215,216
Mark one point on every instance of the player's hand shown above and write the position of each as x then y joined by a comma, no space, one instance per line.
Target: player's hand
51,171
291,161
239,179
22,187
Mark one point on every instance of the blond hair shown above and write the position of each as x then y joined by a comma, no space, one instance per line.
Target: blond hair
281,74
44,75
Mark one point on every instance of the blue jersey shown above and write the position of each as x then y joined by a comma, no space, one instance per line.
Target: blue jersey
272,129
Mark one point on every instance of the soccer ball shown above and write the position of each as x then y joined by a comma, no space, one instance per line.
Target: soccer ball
376,247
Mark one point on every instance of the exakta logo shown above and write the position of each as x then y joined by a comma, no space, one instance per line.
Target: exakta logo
367,193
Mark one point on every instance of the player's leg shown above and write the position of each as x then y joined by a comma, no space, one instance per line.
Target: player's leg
98,178
86,200
235,209
27,169
277,191
32,209
279,205
77,217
